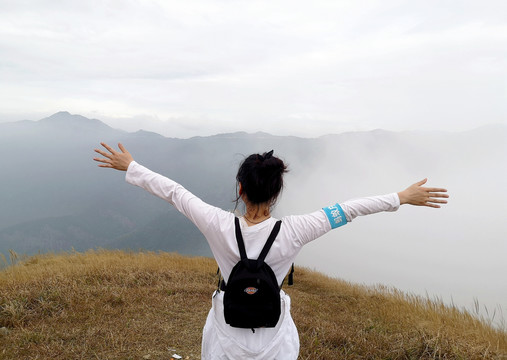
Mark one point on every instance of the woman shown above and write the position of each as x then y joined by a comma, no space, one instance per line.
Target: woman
260,181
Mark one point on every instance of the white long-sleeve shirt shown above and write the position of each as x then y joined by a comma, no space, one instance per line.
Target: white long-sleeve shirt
218,227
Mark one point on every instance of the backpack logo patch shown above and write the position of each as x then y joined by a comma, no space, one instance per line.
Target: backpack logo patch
251,290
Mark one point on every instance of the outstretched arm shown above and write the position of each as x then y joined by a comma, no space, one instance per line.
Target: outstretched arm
415,194
114,159
418,195
199,212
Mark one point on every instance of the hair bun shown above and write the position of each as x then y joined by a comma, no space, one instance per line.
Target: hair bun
261,177
267,155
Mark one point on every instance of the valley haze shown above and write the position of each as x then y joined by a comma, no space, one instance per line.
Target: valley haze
55,198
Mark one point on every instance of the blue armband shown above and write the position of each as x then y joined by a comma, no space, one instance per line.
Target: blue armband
335,215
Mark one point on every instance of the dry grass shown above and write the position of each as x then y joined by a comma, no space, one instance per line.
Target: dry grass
117,305
338,320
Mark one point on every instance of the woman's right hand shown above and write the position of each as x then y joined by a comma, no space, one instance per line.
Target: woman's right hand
113,159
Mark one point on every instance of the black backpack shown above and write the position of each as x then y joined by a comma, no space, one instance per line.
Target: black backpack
252,294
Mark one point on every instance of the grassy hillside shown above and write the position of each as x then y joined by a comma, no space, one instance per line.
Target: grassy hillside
117,305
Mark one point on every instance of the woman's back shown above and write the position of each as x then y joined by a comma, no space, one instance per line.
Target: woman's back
260,180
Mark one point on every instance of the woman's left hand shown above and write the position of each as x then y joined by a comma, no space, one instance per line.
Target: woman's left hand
418,195
113,159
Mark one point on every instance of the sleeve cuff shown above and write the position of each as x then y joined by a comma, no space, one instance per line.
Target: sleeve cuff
397,202
128,174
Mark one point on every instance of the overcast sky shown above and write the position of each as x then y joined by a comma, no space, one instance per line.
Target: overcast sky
186,68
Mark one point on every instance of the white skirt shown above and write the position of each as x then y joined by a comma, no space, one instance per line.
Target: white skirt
221,341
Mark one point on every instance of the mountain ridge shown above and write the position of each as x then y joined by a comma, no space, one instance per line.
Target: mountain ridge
50,174
63,117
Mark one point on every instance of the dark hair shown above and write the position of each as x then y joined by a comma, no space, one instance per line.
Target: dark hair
261,178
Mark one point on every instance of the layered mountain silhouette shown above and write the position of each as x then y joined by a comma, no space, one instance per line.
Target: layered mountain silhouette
54,197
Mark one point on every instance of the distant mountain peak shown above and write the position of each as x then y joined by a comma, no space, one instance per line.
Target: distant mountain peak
66,119
66,116
62,113
142,132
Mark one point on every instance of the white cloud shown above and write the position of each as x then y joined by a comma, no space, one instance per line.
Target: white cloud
258,65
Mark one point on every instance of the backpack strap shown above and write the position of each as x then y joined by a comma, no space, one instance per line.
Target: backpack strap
267,246
239,239
290,281
270,241
289,277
